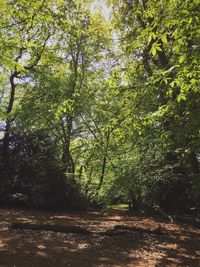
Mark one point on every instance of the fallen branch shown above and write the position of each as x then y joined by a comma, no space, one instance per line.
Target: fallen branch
50,227
121,229
117,230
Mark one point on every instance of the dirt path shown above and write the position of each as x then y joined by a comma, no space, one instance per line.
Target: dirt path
24,248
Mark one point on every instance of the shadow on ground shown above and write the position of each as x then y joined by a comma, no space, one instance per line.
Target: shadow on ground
20,248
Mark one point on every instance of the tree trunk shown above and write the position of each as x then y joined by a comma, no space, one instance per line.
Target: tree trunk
53,228
66,154
103,169
8,119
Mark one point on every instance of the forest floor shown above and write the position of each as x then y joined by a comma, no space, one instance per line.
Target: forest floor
180,246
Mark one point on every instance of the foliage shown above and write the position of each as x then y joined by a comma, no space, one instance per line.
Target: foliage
108,109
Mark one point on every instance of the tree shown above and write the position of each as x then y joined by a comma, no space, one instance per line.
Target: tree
160,41
60,85
26,29
113,104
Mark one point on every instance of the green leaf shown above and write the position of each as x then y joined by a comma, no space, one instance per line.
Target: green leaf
19,67
153,51
115,2
149,38
193,81
181,59
108,3
181,97
172,84
158,48
164,39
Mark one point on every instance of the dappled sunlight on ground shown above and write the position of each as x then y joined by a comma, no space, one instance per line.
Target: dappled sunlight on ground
180,246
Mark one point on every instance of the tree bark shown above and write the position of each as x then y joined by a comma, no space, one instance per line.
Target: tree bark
103,169
8,119
66,154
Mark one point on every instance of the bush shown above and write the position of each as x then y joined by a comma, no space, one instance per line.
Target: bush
35,179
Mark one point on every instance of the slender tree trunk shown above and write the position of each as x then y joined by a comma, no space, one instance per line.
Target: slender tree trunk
66,156
103,169
67,160
5,144
87,187
104,162
8,118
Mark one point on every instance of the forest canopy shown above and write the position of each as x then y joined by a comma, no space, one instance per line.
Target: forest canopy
100,103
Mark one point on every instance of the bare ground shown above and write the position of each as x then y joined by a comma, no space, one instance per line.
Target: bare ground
180,246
